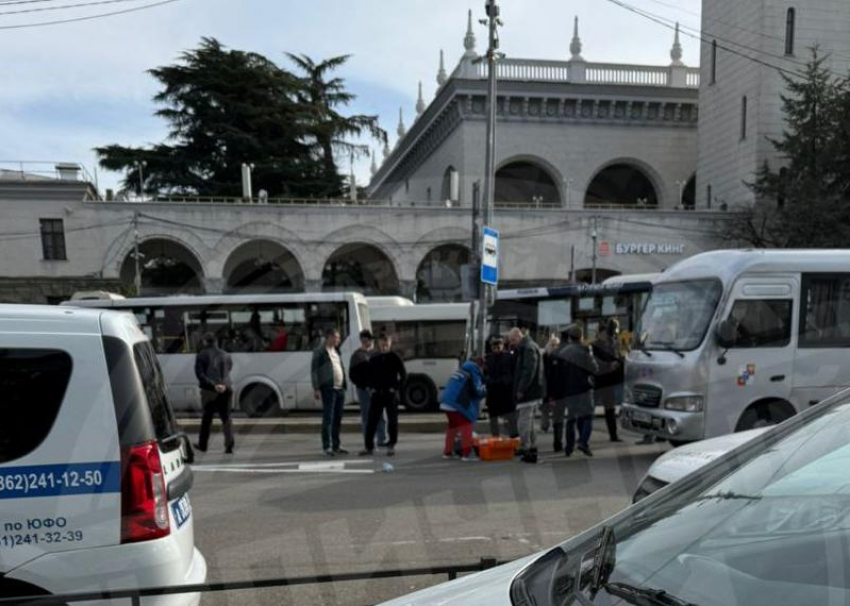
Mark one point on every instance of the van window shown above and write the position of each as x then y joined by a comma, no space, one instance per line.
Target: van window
762,323
32,388
825,311
154,386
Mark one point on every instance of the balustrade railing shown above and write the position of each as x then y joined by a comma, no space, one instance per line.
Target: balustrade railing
537,70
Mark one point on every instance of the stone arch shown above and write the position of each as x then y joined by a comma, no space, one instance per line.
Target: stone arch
439,275
267,230
528,180
168,266
362,267
262,266
624,181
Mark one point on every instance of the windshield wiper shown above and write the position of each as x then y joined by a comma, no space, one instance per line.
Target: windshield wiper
668,346
644,596
603,566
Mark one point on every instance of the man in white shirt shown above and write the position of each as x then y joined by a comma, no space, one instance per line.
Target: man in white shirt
329,384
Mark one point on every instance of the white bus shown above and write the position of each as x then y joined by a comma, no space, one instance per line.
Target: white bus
270,337
430,338
735,340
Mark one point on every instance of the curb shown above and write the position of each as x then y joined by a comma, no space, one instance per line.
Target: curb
281,427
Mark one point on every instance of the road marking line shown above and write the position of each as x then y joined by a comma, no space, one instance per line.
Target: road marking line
282,464
270,471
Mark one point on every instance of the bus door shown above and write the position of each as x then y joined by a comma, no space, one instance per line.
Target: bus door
758,366
824,338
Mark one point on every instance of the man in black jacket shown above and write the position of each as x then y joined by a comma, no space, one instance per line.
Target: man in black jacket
500,382
387,374
528,390
212,368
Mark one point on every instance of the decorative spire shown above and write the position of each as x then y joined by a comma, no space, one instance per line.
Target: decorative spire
469,40
676,52
420,102
401,131
441,74
374,167
575,45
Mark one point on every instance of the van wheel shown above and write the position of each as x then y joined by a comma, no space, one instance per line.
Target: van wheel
259,401
419,394
765,414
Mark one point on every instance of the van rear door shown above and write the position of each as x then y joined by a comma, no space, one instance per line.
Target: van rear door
59,449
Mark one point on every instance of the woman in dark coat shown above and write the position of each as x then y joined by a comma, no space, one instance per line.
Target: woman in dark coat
500,379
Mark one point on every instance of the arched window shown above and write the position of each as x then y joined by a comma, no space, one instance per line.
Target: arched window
790,25
714,61
450,190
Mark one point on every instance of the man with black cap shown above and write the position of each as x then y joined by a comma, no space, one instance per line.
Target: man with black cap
577,372
358,372
212,368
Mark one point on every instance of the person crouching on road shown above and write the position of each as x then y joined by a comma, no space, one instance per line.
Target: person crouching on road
500,382
578,372
461,401
328,377
388,375
358,372
212,368
527,391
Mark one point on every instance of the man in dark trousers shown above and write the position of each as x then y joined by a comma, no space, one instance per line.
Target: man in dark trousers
500,383
329,384
527,389
388,375
358,372
212,368
610,379
578,371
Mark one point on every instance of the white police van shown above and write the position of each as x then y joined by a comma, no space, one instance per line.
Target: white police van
93,476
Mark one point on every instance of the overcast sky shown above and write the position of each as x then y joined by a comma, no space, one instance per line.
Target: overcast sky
65,89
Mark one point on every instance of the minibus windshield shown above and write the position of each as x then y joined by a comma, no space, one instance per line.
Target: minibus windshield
677,315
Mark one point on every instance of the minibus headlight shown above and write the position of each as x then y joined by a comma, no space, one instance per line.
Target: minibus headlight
685,403
628,398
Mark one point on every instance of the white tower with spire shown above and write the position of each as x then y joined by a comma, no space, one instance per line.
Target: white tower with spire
578,66
442,78
678,70
467,62
676,51
401,130
420,102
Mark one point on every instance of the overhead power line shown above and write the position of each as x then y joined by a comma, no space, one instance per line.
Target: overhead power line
59,7
88,17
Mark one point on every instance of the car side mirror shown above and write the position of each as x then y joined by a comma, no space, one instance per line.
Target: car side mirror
725,333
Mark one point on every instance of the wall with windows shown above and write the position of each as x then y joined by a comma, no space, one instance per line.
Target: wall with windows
764,31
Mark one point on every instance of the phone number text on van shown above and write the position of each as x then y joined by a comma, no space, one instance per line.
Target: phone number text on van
56,480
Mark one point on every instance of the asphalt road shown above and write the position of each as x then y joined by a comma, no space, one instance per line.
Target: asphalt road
277,508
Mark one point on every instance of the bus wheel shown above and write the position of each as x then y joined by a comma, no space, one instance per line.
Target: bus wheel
419,394
259,401
765,414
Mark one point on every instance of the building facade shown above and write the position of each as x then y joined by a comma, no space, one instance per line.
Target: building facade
745,45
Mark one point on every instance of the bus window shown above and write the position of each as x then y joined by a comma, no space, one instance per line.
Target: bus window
762,323
825,308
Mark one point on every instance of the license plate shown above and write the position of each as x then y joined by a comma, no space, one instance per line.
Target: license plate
641,417
182,510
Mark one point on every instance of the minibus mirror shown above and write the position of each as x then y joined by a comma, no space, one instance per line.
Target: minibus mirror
725,333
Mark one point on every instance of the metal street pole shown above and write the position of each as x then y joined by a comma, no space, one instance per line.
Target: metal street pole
137,279
595,238
490,159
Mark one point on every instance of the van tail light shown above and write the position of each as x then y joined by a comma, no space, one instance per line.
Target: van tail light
144,501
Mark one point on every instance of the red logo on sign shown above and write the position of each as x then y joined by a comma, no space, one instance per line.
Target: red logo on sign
604,249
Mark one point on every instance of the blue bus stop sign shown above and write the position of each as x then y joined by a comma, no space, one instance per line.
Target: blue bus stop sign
490,257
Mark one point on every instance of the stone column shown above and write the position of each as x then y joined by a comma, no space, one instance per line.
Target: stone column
407,288
312,285
213,286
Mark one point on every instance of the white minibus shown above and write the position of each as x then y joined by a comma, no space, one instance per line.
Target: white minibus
740,339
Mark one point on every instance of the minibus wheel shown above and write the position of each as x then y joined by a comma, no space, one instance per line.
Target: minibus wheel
765,414
419,394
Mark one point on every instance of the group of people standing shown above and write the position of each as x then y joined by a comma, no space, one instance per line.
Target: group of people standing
565,381
378,377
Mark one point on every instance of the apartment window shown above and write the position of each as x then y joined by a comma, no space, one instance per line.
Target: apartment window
708,196
714,61
790,25
743,117
53,240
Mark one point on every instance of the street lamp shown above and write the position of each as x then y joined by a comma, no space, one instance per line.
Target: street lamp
140,166
537,200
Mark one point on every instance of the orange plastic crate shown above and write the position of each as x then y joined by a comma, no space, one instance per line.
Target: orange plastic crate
496,449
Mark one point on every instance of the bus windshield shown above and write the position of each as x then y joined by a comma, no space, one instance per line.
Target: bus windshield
677,315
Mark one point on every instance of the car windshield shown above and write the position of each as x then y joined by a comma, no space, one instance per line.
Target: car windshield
677,315
773,531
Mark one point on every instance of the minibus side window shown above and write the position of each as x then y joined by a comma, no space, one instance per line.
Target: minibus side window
32,388
825,311
762,323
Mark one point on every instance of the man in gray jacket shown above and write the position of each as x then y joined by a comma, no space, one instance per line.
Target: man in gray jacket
212,368
528,389
579,369
328,376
